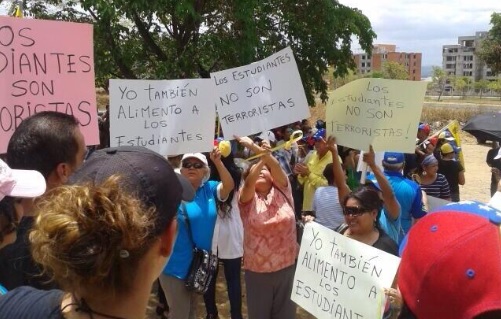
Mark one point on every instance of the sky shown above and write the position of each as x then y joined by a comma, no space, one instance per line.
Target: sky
425,25
418,25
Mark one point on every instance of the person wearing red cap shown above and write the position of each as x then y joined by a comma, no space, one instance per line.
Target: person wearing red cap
421,136
442,274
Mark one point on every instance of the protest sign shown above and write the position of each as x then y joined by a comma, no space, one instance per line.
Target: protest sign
435,202
384,113
170,117
338,277
260,96
46,66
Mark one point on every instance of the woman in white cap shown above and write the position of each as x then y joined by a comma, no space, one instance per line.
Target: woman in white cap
14,184
200,216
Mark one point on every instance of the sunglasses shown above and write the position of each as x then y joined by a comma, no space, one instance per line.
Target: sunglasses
195,165
354,211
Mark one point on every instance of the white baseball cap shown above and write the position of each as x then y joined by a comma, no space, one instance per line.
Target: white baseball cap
20,183
199,156
268,136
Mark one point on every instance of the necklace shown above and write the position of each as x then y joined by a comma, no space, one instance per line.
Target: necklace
83,306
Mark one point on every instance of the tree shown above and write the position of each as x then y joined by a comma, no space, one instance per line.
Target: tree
169,39
439,79
495,86
394,70
481,86
461,84
376,75
342,80
490,50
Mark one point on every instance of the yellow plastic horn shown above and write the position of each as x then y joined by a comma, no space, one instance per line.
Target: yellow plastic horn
295,136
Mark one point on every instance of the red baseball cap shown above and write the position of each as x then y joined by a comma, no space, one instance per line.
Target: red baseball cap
425,128
451,263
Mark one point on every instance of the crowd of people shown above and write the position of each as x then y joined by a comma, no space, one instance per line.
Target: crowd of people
86,233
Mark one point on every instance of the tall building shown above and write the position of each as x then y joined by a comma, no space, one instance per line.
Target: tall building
461,59
387,52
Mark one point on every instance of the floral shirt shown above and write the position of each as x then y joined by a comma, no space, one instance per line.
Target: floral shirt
270,242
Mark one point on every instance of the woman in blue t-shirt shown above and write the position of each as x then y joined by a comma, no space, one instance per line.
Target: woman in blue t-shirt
202,213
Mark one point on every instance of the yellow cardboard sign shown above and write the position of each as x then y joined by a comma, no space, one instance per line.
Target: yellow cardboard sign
378,112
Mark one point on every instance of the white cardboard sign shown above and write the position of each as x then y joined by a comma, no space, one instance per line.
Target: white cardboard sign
260,96
167,116
338,277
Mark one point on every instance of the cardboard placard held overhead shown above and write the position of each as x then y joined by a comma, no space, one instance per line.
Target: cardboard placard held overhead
46,66
339,277
260,96
381,112
170,117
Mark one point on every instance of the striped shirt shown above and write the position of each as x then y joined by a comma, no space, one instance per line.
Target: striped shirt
328,210
439,188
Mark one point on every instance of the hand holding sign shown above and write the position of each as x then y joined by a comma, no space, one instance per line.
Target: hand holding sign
347,276
380,112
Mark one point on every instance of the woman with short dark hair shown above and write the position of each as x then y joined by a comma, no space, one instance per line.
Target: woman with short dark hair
270,247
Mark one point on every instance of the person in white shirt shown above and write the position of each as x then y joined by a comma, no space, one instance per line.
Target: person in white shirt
227,242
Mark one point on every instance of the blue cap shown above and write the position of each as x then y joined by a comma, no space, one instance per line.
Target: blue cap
393,158
320,124
319,134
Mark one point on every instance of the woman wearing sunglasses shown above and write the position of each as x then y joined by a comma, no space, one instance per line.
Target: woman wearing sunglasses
202,213
362,207
362,211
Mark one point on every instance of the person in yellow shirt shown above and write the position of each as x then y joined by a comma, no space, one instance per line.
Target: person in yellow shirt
310,173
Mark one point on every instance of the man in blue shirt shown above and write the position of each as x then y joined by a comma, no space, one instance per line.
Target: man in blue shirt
407,192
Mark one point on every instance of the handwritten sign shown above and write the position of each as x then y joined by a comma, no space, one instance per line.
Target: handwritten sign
46,66
338,277
260,96
384,113
167,116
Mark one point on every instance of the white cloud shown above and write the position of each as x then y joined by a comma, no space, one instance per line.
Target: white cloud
424,25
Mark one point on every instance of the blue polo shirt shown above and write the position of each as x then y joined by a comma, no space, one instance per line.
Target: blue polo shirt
409,196
202,213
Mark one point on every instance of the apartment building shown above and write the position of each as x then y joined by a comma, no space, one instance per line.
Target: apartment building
388,52
460,59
